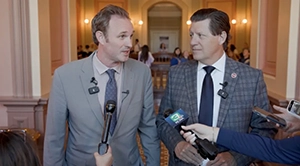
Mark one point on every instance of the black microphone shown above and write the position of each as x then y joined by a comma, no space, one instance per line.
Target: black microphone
178,118
222,92
94,81
126,92
94,89
110,108
224,84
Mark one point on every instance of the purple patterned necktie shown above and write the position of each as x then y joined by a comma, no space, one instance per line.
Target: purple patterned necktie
205,115
111,94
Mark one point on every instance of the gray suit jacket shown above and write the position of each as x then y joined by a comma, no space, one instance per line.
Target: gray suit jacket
70,101
245,91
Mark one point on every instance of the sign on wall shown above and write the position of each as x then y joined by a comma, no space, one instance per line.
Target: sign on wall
169,38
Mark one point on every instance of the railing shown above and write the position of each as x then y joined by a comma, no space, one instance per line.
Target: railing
160,70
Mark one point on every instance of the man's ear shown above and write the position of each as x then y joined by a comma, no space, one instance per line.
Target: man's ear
100,37
222,37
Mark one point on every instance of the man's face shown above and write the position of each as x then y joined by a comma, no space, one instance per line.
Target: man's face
117,46
206,48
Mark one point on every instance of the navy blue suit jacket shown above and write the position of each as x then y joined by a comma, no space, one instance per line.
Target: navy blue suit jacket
286,151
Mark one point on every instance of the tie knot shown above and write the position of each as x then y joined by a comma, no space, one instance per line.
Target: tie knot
111,73
209,69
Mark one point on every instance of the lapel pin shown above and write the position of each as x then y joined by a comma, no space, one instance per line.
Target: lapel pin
233,75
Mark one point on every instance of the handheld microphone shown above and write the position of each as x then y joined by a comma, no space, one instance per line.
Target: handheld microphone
110,108
177,119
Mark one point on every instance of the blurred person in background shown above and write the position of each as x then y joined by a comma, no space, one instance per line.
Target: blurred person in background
137,46
186,55
17,149
246,56
145,56
177,57
232,52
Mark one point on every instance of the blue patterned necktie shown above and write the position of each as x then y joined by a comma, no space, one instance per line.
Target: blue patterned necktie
111,94
205,115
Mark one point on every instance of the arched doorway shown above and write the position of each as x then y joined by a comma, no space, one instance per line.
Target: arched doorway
164,26
184,36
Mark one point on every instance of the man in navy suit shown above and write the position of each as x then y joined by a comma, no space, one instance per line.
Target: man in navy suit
241,88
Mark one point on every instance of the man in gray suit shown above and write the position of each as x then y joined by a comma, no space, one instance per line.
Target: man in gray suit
240,88
77,101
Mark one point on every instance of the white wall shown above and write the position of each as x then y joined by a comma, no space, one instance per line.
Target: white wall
172,43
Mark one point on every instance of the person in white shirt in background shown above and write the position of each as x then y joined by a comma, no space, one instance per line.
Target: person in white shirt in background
137,46
145,56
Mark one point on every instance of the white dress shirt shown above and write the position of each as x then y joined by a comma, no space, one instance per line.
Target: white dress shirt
217,77
102,77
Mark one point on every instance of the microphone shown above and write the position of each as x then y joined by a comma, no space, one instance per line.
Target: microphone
94,89
126,92
224,84
222,92
94,81
110,108
177,119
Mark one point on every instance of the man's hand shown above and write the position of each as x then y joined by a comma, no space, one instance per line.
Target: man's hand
188,136
187,153
224,159
104,160
292,122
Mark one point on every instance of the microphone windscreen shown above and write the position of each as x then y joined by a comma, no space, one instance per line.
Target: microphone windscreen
110,106
177,119
111,102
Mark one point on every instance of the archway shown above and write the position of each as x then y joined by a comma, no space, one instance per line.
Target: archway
164,26
184,9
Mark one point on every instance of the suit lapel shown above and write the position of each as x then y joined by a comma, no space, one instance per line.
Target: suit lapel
85,76
231,76
127,86
191,83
